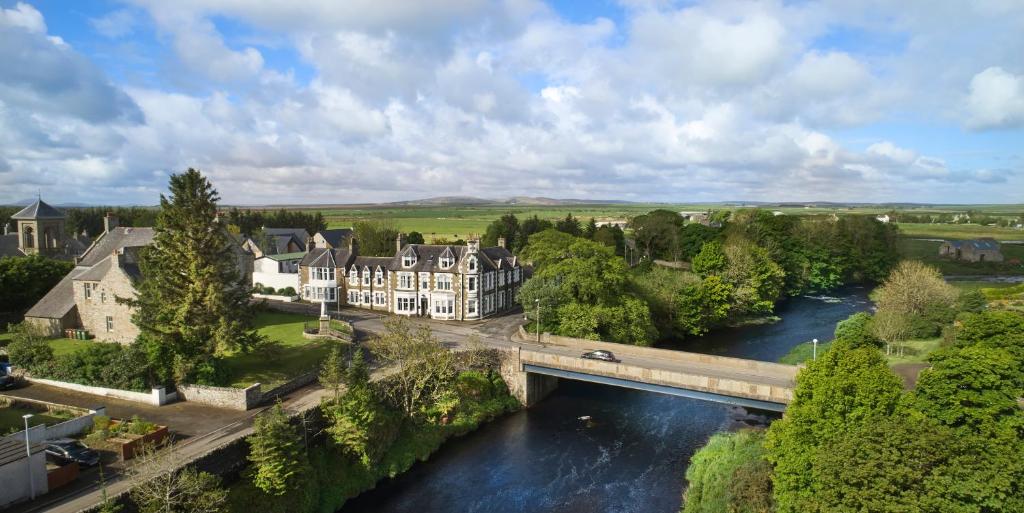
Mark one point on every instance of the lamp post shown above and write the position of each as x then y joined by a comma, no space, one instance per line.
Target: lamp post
28,462
538,319
814,353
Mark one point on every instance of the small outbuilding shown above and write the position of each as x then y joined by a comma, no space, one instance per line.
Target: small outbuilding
973,250
21,476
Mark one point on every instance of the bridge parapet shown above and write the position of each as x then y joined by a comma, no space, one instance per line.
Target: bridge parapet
779,370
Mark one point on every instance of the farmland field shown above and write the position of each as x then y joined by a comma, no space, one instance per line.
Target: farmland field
959,231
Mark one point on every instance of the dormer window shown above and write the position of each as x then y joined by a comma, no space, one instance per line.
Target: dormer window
379,277
472,264
447,259
408,259
366,276
353,276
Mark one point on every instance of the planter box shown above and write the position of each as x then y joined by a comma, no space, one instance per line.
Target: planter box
61,476
129,445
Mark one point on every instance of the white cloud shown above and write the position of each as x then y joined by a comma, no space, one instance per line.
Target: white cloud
24,16
996,100
115,24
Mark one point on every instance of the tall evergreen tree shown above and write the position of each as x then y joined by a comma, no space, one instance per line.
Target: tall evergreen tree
275,450
193,302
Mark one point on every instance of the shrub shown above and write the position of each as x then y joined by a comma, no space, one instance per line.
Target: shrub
104,365
257,288
270,291
287,291
856,330
730,473
137,426
29,349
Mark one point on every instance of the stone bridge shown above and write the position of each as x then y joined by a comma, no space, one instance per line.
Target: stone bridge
533,371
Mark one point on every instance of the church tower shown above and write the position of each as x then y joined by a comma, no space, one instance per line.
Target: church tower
40,229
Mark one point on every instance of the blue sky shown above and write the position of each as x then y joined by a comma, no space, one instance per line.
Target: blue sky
383,100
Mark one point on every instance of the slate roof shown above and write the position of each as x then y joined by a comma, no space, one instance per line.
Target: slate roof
500,256
116,239
321,257
372,262
979,244
13,450
59,300
335,236
427,257
96,272
9,245
38,210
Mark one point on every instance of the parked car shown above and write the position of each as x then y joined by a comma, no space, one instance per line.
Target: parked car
7,381
600,354
67,449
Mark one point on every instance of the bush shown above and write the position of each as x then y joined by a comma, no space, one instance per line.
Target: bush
104,365
730,474
856,330
270,291
287,291
29,349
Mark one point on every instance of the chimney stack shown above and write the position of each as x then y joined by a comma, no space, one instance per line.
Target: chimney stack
109,222
399,242
353,246
501,242
473,245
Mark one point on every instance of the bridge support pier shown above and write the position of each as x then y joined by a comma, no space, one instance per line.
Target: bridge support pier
529,388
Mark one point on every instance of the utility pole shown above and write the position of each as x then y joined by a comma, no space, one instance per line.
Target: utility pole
538,319
28,462
814,353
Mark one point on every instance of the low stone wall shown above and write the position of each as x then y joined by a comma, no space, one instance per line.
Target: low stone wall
776,369
222,397
275,297
291,386
155,397
68,428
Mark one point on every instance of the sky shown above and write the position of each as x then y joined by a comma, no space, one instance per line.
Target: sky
355,101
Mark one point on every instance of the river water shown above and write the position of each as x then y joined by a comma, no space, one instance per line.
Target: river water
631,457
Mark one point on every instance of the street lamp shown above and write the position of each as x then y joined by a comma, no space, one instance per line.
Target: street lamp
28,462
814,353
538,319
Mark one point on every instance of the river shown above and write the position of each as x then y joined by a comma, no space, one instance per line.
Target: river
631,457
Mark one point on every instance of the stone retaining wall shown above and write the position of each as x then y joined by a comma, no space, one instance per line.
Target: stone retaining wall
222,397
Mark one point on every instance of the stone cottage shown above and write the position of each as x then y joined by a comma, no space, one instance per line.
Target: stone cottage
974,250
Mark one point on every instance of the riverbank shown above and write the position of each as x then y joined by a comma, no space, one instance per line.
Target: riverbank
333,477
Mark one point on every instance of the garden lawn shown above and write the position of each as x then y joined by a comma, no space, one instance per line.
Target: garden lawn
5,338
289,356
11,421
914,351
63,346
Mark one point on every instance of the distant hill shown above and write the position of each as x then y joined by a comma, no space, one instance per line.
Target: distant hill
516,200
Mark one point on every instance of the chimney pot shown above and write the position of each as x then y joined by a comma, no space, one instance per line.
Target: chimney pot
501,242
110,222
399,242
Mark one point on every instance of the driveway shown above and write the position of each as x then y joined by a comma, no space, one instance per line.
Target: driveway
184,419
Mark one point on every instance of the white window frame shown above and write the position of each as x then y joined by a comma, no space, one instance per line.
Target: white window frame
408,259
406,280
321,273
443,282
353,297
110,323
379,277
472,264
471,307
380,298
366,276
87,287
424,279
471,283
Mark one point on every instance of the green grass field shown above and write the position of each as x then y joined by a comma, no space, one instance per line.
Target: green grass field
11,421
454,222
959,231
291,356
972,285
67,346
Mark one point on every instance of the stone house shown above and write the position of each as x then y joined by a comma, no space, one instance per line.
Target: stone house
974,250
277,241
334,238
109,269
450,282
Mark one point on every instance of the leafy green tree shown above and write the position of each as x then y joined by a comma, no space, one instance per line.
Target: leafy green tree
547,248
579,320
589,273
25,280
421,368
28,348
710,260
528,227
834,395
729,474
888,464
702,305
357,374
193,301
692,237
919,294
657,233
361,425
661,288
276,452
415,238
756,279
972,387
550,295
856,331
973,301
507,227
629,323
376,237
610,236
